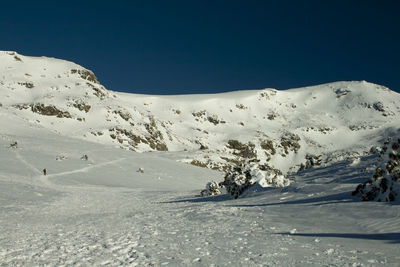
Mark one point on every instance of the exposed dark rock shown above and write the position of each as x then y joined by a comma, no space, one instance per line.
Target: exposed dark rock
86,75
123,114
99,93
290,142
27,85
342,92
203,147
133,139
206,117
271,116
198,163
242,150
268,145
241,106
49,111
81,105
379,106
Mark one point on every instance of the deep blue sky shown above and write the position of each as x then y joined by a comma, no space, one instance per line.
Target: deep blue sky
194,46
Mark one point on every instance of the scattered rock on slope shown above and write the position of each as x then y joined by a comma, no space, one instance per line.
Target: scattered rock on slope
49,111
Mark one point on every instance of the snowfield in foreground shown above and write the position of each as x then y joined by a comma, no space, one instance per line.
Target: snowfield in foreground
103,211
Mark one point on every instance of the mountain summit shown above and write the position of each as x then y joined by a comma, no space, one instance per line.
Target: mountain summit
288,129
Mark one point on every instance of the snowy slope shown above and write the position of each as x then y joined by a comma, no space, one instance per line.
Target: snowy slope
103,211
282,128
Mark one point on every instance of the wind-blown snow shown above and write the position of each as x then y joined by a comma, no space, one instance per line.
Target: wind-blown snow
104,211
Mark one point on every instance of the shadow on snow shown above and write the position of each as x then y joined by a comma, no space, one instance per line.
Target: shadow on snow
389,237
344,197
199,199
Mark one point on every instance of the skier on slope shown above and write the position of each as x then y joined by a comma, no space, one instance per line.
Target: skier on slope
44,171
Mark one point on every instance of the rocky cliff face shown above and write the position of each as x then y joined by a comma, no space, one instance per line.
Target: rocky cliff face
281,129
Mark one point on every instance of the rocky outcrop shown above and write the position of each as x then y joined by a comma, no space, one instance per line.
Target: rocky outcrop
81,105
86,75
49,111
242,150
133,140
42,109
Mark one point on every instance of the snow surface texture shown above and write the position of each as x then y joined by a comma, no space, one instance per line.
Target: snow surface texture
95,207
385,183
104,212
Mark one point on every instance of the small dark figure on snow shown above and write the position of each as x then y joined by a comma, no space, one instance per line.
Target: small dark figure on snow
14,145
44,171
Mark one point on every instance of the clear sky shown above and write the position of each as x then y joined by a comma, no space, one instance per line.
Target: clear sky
202,46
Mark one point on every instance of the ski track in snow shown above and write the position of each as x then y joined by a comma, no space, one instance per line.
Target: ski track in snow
60,224
103,226
45,178
314,222
30,166
85,169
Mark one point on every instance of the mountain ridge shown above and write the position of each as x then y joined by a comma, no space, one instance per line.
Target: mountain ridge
283,128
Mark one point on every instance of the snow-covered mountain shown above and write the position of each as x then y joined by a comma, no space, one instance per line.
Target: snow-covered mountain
100,205
286,129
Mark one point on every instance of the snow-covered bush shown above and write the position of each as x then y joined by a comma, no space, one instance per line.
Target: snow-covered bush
61,157
311,161
243,176
385,183
212,189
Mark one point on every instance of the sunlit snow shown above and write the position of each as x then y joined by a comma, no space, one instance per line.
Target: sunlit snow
121,207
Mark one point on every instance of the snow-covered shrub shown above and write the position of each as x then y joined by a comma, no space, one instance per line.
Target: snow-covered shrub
243,176
311,161
212,189
61,157
385,183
